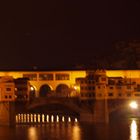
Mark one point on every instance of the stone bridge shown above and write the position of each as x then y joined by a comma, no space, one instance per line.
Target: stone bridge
60,105
96,111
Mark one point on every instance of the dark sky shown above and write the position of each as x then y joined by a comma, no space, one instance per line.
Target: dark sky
63,33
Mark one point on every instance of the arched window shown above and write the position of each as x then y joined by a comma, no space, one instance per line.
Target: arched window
44,90
62,90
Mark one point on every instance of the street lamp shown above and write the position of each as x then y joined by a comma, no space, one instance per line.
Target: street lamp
133,105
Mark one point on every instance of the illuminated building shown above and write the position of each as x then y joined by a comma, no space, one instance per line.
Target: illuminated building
7,89
22,89
109,83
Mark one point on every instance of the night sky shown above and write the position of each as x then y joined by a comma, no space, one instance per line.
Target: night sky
65,33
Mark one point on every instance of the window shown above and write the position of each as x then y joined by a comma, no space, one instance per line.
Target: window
100,95
89,88
128,94
111,87
5,96
32,77
89,82
119,94
85,88
103,79
110,94
62,76
111,82
8,89
10,96
93,94
45,76
82,94
128,86
119,87
137,94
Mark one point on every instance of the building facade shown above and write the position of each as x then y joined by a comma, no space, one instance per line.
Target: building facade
7,89
85,84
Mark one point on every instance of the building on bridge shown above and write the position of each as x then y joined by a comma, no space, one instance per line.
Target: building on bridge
64,83
7,89
97,85
22,89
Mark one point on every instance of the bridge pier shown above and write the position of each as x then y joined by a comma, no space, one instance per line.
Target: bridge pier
7,113
100,113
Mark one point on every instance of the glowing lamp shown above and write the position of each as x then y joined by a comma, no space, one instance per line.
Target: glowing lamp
133,105
32,88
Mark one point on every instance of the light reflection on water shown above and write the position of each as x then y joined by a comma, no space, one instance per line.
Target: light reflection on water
32,133
76,133
121,130
63,131
134,130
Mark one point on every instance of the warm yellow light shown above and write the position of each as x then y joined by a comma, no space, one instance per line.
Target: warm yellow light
32,133
76,133
75,87
133,131
133,105
32,88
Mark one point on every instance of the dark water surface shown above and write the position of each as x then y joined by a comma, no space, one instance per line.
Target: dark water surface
116,130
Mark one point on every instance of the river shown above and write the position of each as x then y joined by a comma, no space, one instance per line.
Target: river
116,130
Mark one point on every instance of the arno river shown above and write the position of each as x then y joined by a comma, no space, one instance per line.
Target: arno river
128,129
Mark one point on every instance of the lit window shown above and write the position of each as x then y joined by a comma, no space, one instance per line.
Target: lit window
45,76
32,77
62,76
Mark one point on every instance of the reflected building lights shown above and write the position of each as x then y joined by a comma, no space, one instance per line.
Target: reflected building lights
133,131
63,119
38,118
17,119
57,118
28,118
69,119
76,133
76,120
43,118
32,133
52,118
31,117
47,118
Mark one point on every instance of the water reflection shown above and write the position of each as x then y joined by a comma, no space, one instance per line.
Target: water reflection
32,133
76,132
134,131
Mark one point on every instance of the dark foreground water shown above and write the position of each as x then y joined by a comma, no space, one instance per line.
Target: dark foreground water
117,130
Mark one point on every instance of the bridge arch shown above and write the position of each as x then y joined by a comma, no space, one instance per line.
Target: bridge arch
44,90
63,90
55,106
